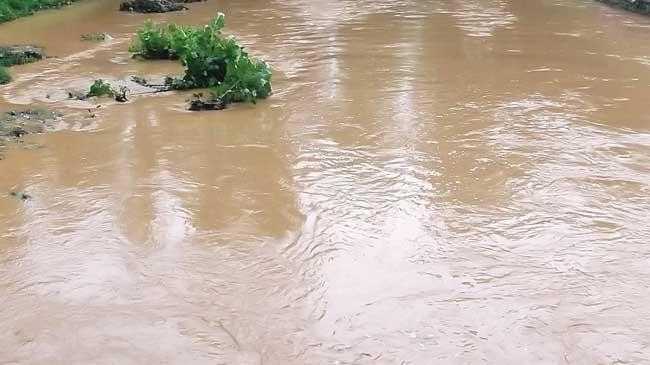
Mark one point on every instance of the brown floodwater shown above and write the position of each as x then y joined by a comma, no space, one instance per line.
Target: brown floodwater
432,182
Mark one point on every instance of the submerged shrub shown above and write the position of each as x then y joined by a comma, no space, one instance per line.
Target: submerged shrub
100,88
211,60
4,75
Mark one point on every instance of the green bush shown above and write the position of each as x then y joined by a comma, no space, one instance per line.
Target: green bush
211,60
100,88
12,9
4,75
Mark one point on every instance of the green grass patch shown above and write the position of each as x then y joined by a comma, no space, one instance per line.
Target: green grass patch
211,60
12,9
4,76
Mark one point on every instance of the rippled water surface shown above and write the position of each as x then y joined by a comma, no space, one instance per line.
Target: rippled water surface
432,182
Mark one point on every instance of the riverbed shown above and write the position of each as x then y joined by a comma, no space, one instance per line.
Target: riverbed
431,182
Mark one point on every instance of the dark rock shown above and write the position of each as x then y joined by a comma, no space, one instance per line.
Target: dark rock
20,195
158,87
121,95
150,6
639,6
77,95
199,103
18,55
17,132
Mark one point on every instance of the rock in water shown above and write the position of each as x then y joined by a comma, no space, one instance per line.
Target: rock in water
639,6
18,55
206,104
151,6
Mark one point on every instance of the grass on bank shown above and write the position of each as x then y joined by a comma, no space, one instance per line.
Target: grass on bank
12,9
211,60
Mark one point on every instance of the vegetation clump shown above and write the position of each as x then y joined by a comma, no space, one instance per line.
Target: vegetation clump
19,55
4,76
211,60
12,9
100,88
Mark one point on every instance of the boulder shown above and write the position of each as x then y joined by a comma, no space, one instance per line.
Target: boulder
209,103
150,6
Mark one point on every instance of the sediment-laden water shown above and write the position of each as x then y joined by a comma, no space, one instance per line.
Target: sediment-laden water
432,182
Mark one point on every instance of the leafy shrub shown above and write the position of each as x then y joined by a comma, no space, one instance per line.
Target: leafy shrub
153,42
100,88
210,60
4,75
246,80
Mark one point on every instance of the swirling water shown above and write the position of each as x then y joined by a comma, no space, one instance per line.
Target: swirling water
432,182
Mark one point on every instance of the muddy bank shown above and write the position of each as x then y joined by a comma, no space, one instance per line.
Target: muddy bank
638,6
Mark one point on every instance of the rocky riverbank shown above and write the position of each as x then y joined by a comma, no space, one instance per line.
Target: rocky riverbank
639,6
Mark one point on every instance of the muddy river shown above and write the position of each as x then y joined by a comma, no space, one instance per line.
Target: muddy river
432,182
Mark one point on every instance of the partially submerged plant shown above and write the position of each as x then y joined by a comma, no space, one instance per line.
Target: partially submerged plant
4,76
211,60
100,88
153,42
